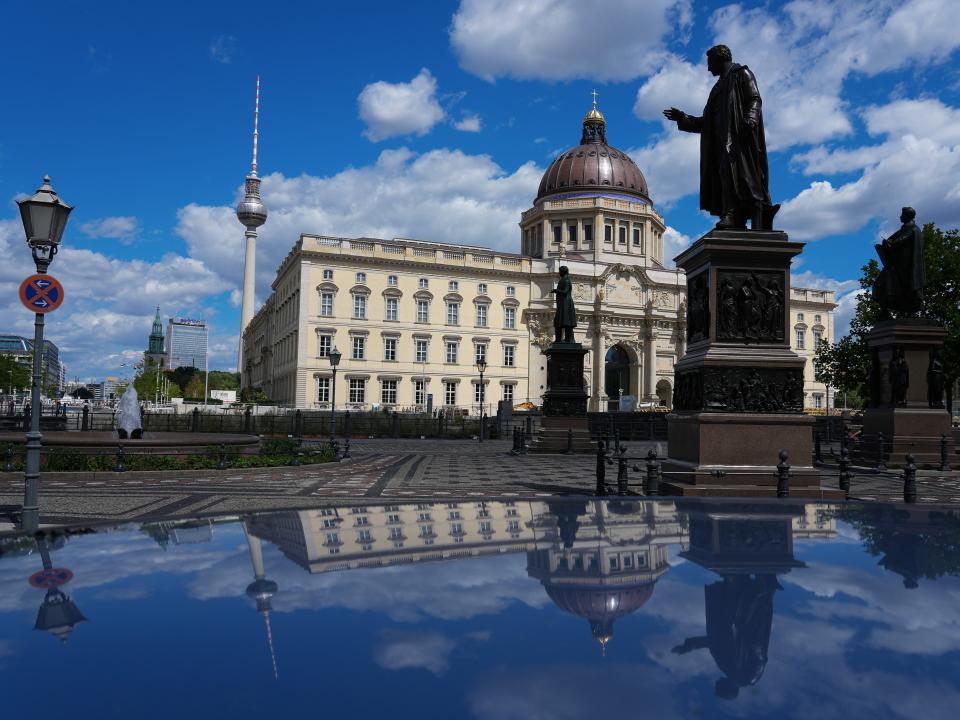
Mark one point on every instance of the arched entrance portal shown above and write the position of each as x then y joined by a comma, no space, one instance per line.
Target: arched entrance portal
617,376
665,393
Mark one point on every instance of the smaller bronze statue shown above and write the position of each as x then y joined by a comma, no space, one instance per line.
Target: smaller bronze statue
899,287
565,319
935,380
899,377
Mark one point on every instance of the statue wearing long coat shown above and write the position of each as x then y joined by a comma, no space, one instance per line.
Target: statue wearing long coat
565,318
733,155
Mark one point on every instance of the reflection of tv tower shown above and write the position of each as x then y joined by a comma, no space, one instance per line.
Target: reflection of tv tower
261,591
58,614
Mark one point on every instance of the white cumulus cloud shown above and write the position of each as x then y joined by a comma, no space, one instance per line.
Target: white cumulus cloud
392,109
469,123
122,227
564,39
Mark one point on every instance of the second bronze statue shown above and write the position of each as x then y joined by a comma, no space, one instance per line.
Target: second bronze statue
565,318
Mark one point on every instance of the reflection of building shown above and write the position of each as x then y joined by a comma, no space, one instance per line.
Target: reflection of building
600,560
411,317
186,343
818,521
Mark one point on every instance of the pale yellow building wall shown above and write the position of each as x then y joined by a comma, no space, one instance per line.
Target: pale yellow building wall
811,313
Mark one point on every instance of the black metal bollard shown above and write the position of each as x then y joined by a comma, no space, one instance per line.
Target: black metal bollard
569,441
222,459
529,428
845,472
296,454
347,425
783,476
121,457
246,419
601,468
483,422
944,453
8,459
910,480
653,474
195,420
616,440
881,461
622,488
346,448
817,449
85,423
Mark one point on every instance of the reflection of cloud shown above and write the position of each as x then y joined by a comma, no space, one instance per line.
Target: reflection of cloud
125,593
574,691
403,650
446,590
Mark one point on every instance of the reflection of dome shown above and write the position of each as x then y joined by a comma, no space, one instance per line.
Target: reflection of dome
593,166
600,605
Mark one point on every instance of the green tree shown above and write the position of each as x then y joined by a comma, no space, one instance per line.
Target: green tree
182,375
13,374
223,380
148,380
194,388
253,395
845,364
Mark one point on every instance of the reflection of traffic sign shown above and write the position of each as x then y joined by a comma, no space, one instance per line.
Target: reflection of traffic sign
54,577
41,293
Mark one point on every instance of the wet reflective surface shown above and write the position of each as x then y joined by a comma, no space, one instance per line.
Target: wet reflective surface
555,609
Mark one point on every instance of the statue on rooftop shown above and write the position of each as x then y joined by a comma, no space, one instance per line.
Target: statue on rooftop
734,176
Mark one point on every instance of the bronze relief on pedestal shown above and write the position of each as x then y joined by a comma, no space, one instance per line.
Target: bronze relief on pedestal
750,306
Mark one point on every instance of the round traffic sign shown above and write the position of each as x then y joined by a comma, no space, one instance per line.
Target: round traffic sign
41,293
49,578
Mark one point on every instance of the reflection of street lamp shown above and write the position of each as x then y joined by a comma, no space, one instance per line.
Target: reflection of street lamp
334,357
44,218
58,614
481,366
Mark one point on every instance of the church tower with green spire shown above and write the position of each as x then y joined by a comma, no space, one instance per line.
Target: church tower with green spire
154,354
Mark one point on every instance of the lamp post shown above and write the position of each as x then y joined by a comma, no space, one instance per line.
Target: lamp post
44,218
334,361
481,367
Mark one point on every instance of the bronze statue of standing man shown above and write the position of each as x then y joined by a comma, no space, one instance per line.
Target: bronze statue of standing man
565,319
734,177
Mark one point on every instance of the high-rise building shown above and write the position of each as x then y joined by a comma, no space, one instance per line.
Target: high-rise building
186,343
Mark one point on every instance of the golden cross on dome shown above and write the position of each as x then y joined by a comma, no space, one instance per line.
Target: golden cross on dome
594,93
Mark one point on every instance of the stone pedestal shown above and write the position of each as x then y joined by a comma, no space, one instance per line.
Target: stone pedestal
564,402
738,397
911,419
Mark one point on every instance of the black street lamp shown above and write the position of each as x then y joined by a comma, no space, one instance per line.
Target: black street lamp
334,356
481,367
44,218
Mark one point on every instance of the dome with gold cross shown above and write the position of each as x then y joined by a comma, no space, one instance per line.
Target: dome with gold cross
593,166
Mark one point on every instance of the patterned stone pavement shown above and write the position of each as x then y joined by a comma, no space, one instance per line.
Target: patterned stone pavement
377,468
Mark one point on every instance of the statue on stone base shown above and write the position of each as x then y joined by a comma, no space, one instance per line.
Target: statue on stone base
565,319
899,287
734,175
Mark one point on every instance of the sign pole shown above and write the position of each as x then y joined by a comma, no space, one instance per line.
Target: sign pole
31,492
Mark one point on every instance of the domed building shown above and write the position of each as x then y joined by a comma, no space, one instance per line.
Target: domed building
412,318
593,214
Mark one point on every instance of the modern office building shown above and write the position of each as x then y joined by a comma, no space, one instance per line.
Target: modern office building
411,318
21,350
186,343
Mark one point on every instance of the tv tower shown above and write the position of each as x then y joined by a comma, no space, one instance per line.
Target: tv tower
252,213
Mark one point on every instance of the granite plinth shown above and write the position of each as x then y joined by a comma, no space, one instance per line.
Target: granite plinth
738,397
565,395
908,422
554,435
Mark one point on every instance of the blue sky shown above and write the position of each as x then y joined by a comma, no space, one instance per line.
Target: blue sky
435,120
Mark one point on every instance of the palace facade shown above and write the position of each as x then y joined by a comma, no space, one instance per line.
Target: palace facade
412,319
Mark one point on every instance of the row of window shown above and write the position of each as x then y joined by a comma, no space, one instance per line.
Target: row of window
425,532
802,337
358,350
816,318
423,283
392,310
357,392
608,232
